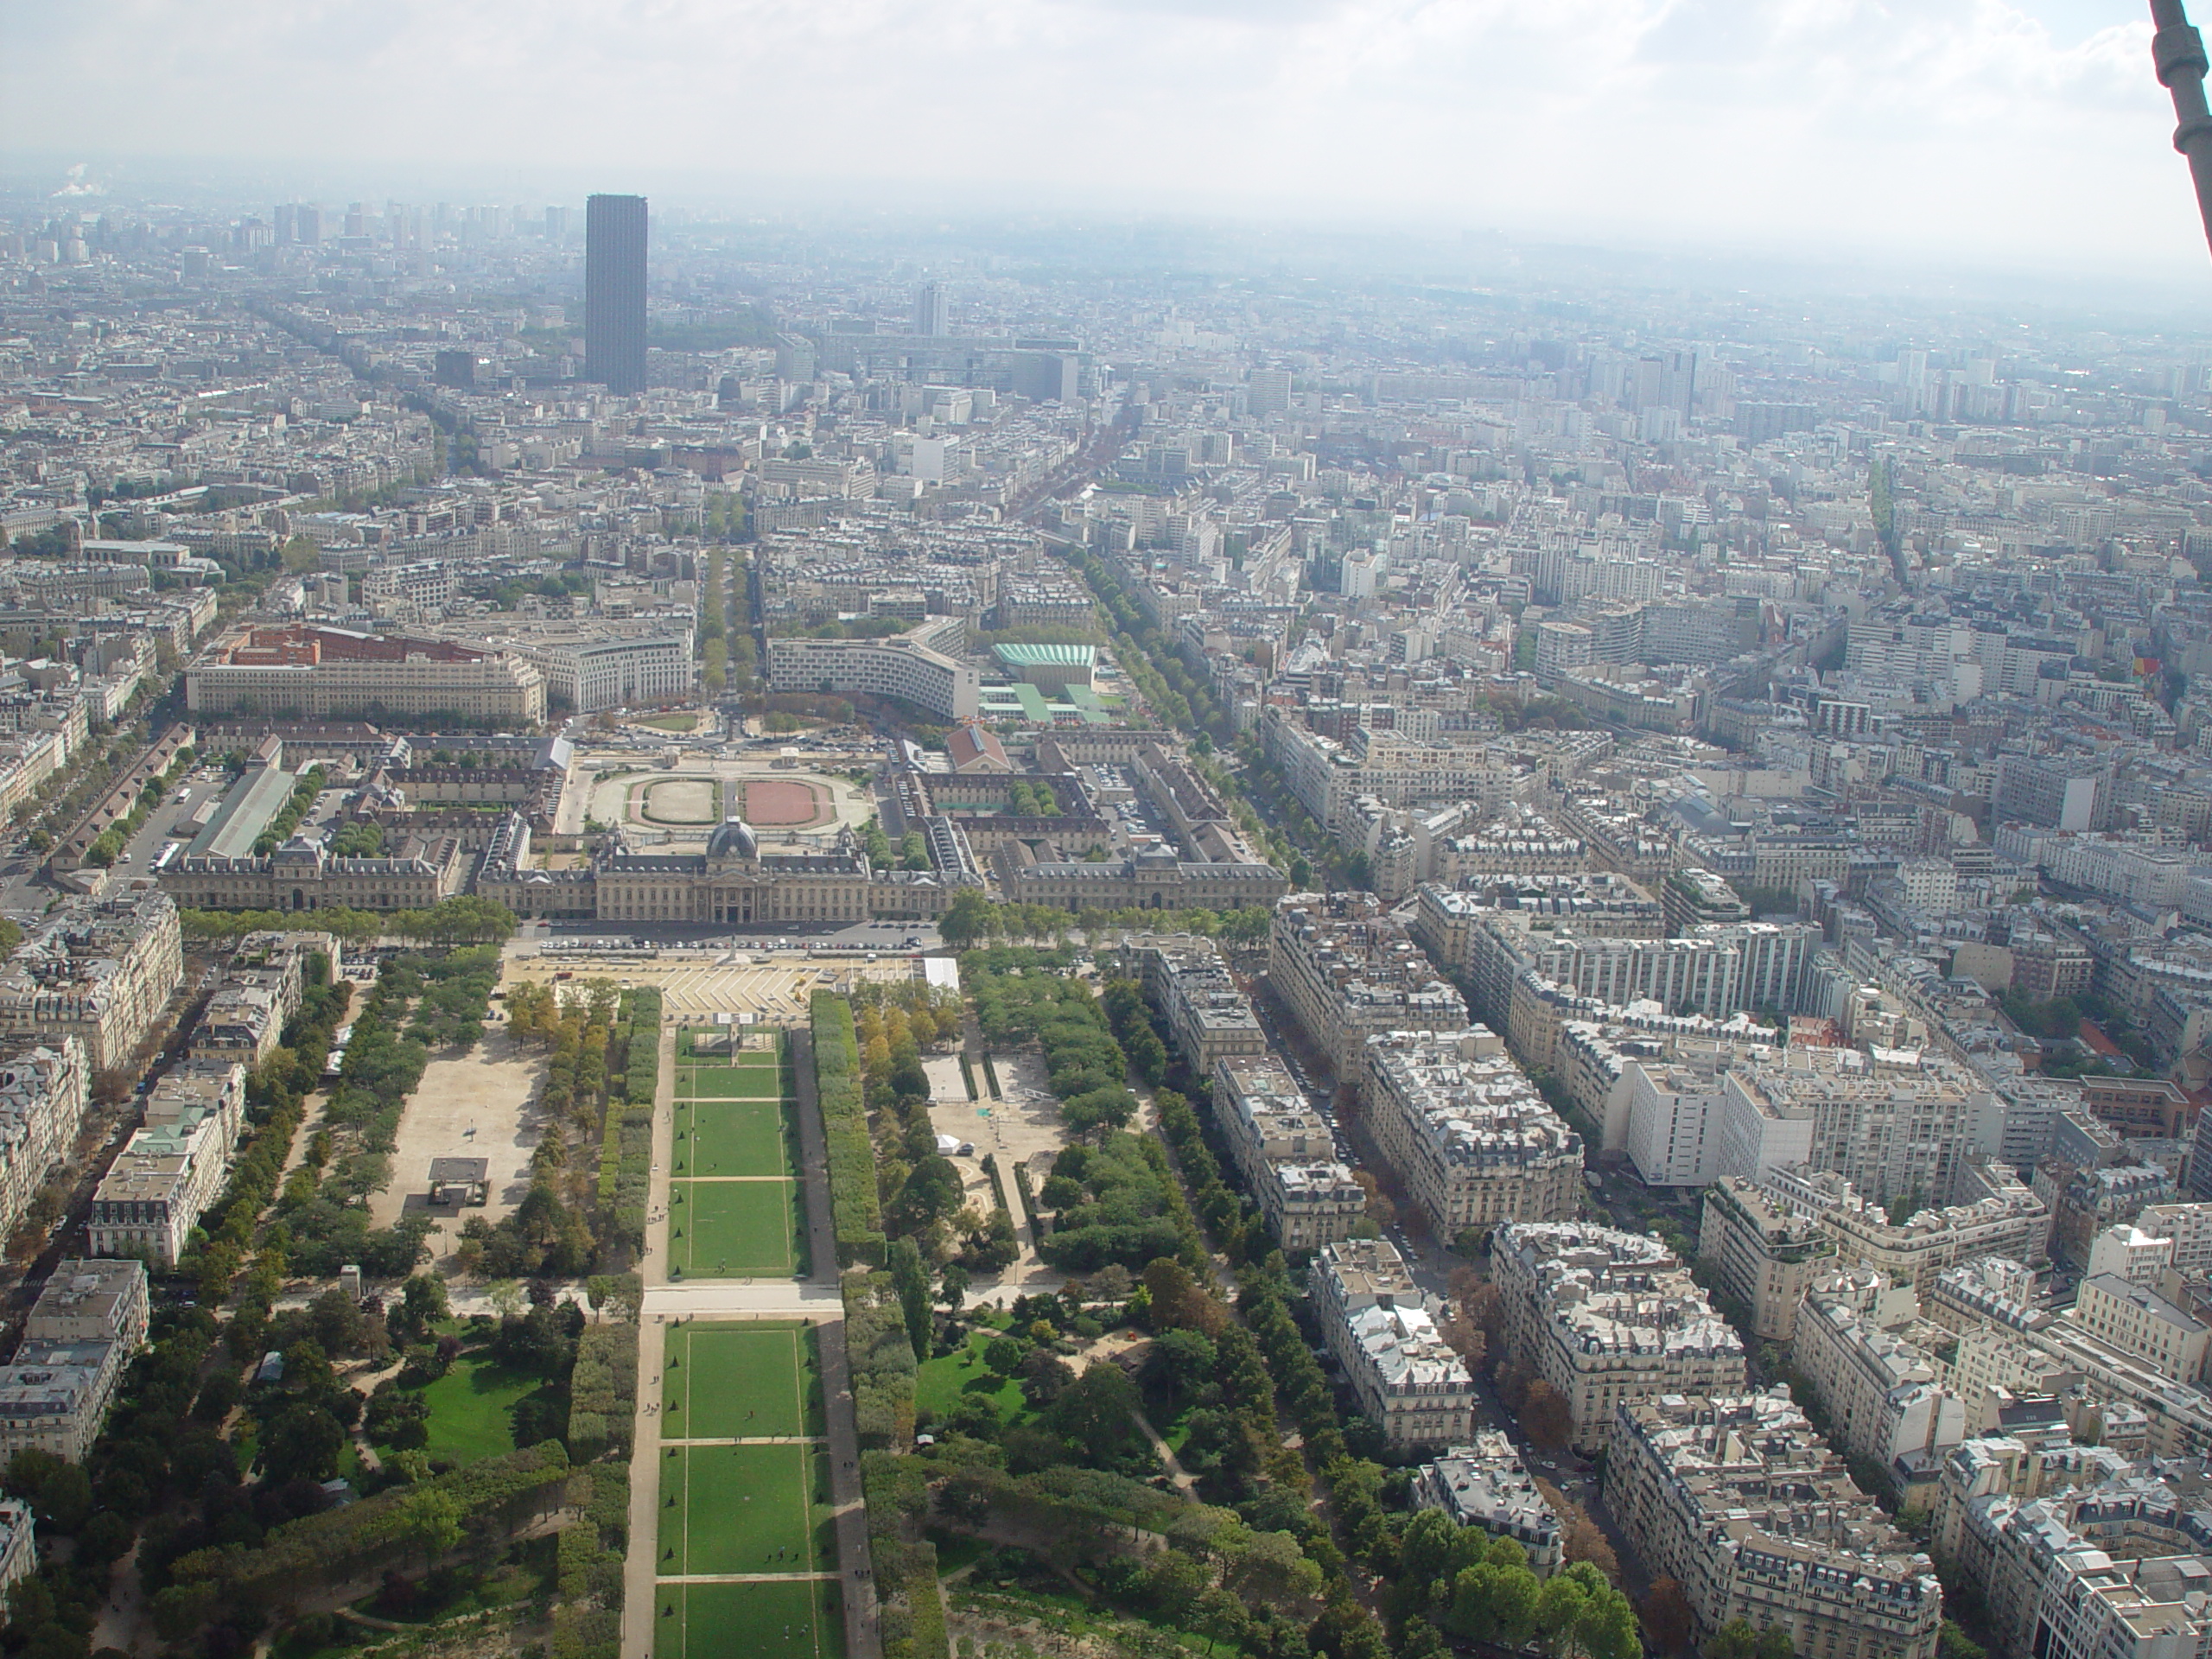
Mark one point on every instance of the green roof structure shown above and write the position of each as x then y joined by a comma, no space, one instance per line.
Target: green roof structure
1017,657
250,807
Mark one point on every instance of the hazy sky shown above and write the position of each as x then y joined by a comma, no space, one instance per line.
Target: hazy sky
1982,131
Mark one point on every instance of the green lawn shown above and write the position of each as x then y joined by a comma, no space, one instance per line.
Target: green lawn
728,1082
796,1619
754,1380
469,1407
670,722
725,1137
734,1229
939,1382
730,1509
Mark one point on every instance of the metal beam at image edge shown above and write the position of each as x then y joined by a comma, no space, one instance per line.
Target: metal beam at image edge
2178,51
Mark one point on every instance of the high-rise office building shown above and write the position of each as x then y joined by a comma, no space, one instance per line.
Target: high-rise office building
1269,391
933,316
614,292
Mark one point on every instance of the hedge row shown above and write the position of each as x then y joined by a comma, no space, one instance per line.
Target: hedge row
1039,1227
626,1150
644,1077
609,1506
589,1579
855,1206
882,1355
603,1391
911,1608
337,1544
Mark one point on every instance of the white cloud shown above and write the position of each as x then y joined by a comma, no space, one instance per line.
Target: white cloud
1970,127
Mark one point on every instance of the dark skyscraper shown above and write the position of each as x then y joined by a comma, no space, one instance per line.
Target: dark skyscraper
931,314
614,292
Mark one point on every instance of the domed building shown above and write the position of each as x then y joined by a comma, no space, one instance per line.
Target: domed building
732,881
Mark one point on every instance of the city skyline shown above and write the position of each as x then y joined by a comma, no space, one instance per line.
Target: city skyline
2028,133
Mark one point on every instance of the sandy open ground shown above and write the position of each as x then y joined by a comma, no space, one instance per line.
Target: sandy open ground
1025,1128
671,802
699,984
786,803
492,1090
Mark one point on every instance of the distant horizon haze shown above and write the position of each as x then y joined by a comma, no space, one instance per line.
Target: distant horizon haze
2028,135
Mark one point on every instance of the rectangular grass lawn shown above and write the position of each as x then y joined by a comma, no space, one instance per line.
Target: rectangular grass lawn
729,1083
796,1619
733,1230
732,1137
752,1381
735,1506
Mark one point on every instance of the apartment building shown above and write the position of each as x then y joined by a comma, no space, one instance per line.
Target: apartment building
1347,971
1328,775
102,970
2138,1320
2094,1558
416,587
1467,1132
1209,1019
2009,1221
2006,1348
285,963
316,673
1893,1123
78,1343
43,1092
18,1545
586,675
1766,1257
1595,903
1716,970
1285,1154
174,1165
244,1022
1607,1317
93,1301
1855,1343
1485,1483
1735,1497
1377,1330
2029,1453
2177,1235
